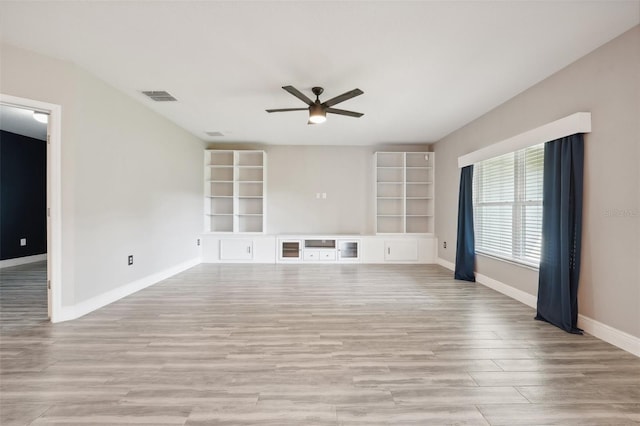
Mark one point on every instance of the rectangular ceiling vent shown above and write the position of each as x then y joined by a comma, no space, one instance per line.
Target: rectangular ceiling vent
159,96
215,134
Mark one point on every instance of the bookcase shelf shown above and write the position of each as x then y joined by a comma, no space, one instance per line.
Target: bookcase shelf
234,191
404,192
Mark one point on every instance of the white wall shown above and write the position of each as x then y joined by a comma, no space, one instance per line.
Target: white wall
606,83
131,180
295,174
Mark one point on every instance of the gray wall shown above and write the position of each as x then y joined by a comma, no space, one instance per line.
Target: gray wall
606,82
23,195
295,174
131,180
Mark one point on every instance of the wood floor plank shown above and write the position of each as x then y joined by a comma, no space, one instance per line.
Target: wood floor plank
411,415
560,414
304,345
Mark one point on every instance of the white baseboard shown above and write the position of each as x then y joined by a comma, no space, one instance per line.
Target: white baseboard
445,263
7,263
80,309
519,295
609,334
595,328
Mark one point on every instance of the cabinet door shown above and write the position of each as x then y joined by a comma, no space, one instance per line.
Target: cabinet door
290,250
401,250
348,250
235,249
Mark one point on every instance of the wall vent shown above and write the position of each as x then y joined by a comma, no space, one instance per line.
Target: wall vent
214,134
159,96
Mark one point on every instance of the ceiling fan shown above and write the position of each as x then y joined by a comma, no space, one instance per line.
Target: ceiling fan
318,110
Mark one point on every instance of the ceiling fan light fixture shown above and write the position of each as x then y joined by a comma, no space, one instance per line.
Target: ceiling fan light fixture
318,110
317,114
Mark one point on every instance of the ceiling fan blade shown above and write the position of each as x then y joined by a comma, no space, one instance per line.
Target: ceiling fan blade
344,112
298,94
341,98
287,109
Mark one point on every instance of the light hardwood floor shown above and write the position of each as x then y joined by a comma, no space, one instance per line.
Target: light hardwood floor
307,345
23,296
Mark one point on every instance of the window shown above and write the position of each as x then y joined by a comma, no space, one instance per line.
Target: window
507,205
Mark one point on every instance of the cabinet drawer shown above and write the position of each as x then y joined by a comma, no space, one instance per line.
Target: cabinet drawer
311,255
319,255
327,255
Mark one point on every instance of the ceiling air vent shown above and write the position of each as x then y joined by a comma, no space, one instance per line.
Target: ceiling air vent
214,134
159,96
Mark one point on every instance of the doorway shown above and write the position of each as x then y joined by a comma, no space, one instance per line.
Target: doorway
53,197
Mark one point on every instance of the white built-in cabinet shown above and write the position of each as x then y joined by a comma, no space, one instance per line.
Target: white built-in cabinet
404,192
318,249
260,248
235,191
238,248
398,248
235,216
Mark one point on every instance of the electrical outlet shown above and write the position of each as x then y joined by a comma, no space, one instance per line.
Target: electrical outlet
324,195
130,260
23,242
444,244
198,241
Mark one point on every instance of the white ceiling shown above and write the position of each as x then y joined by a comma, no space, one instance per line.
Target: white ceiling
426,67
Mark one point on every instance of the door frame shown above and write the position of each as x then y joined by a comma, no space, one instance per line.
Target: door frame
54,197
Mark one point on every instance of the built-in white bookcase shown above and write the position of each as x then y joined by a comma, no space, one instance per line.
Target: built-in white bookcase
404,192
235,197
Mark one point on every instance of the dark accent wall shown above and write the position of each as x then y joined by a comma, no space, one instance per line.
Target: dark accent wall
23,195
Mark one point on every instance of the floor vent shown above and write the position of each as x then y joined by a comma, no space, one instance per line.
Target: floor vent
159,96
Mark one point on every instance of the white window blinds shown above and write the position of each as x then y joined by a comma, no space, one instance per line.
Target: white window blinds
507,205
